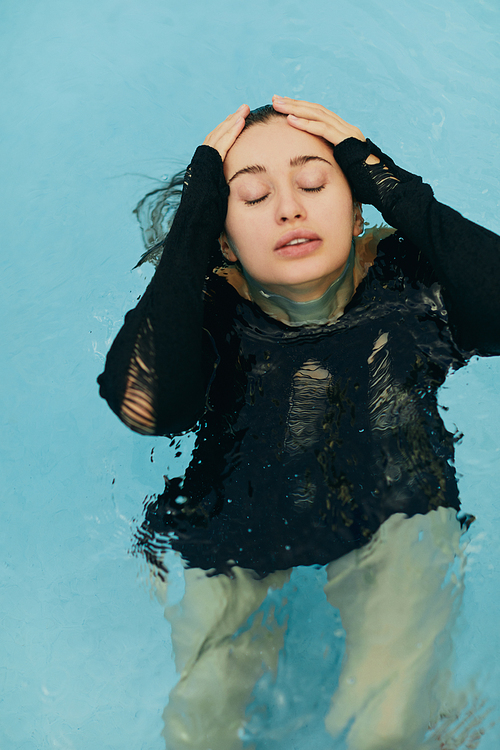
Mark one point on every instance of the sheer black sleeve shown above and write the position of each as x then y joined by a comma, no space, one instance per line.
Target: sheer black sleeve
155,376
464,255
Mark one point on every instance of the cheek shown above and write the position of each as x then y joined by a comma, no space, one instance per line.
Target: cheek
243,229
335,218
234,221
344,213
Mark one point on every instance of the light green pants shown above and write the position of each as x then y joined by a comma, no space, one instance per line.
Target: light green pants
397,599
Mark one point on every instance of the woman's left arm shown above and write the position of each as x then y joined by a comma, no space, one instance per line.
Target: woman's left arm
465,256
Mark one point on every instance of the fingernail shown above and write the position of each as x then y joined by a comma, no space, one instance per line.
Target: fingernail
278,98
241,107
292,117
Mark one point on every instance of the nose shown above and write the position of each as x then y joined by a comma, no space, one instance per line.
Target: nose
289,205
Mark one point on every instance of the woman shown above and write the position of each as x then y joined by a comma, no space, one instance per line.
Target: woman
313,371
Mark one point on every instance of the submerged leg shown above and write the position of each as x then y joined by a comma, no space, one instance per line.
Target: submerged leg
219,669
398,603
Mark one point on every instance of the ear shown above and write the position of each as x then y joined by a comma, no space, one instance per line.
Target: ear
359,224
226,249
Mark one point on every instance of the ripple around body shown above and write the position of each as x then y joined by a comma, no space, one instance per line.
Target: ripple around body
102,99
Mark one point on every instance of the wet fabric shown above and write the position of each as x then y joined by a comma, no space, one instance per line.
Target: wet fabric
313,437
309,438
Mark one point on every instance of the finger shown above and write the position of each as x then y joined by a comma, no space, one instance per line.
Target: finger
307,110
221,136
242,111
230,120
315,127
330,131
300,108
225,134
328,124
227,139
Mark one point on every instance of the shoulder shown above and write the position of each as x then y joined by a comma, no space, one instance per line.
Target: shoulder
399,263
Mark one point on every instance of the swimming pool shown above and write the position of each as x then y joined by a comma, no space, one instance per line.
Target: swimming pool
98,99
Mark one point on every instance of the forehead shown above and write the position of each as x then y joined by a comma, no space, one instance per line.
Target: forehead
272,145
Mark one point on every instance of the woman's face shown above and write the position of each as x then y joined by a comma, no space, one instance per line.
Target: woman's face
291,217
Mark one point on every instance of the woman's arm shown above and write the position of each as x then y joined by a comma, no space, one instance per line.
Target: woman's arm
465,256
155,377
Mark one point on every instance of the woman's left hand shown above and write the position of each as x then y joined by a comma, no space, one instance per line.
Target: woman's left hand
317,120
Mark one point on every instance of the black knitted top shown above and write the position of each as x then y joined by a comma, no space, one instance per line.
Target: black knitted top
307,438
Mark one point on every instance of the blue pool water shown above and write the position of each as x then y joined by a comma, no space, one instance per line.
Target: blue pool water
97,99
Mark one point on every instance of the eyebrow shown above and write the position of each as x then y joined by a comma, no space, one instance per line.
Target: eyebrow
297,161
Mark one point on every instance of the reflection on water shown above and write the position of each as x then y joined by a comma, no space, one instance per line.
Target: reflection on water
357,655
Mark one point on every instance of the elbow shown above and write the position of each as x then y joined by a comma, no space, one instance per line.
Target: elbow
138,410
134,409
137,423
177,421
141,417
478,334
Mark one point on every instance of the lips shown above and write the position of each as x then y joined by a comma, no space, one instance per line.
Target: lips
295,234
297,243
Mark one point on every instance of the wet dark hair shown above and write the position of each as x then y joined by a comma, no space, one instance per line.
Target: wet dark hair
261,115
155,212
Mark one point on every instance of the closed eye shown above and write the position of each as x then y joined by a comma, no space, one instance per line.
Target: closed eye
314,189
257,200
306,190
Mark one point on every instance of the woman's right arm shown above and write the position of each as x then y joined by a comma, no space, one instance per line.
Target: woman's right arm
155,376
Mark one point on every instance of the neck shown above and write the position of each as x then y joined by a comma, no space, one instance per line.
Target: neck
326,308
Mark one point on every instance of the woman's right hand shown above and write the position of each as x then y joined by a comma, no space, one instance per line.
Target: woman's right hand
225,134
